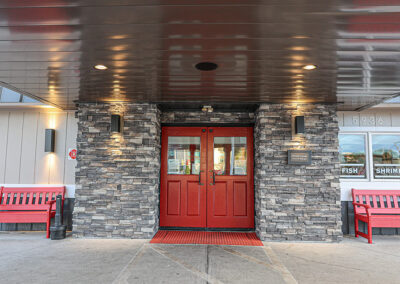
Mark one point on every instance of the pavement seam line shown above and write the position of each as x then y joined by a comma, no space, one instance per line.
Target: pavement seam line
205,276
248,257
134,257
279,266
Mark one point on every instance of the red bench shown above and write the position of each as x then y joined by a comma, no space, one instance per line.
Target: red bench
29,204
377,208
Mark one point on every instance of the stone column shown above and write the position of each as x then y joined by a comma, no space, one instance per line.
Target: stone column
297,202
117,174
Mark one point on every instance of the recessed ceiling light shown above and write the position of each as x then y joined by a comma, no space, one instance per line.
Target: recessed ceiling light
206,66
300,37
309,67
100,67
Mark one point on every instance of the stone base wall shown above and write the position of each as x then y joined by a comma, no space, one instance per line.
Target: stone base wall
297,202
117,175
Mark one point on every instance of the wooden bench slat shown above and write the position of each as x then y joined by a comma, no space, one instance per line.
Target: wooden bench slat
374,201
396,200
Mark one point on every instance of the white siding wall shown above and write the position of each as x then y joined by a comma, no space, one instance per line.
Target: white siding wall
374,117
374,120
22,157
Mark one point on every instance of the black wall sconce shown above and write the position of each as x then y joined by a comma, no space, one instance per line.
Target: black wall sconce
299,124
50,137
115,123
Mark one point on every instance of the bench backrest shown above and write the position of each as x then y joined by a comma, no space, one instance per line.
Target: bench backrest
28,198
381,201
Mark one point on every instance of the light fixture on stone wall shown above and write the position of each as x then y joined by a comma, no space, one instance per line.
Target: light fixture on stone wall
116,123
299,124
50,135
207,109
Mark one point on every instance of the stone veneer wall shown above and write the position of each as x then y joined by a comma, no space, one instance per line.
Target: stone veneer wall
203,117
117,175
297,202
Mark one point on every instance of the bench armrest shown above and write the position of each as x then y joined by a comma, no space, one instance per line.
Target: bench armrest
366,206
50,203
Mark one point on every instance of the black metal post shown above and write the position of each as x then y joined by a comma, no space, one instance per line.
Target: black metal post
58,231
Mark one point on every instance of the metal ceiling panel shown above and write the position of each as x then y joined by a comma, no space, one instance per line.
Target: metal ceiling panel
48,48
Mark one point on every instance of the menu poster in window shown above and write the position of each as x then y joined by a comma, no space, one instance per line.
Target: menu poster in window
352,156
386,156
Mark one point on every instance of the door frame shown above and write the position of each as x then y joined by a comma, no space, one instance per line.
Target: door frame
163,163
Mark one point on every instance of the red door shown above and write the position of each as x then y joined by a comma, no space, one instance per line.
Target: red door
207,177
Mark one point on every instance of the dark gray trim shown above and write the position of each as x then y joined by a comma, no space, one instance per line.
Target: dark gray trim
188,124
207,229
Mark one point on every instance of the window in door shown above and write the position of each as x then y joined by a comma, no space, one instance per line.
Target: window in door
183,155
230,156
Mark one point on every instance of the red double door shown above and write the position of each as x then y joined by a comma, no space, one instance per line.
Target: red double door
207,177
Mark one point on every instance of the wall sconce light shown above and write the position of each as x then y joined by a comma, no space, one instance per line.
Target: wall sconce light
115,123
207,109
299,124
50,137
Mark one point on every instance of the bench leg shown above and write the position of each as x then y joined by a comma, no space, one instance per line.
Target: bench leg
48,226
356,226
369,233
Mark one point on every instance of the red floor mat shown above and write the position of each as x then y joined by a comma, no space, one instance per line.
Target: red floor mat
206,238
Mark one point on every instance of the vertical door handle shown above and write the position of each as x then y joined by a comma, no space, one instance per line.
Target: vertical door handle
200,177
213,177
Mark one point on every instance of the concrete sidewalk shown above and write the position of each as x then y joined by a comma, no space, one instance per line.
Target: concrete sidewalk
29,257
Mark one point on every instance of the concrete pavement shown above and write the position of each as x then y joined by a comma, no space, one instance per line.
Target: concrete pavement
29,257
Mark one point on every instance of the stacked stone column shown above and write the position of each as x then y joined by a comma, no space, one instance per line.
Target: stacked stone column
297,202
117,174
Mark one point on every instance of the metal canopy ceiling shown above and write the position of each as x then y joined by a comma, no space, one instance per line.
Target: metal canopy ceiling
48,48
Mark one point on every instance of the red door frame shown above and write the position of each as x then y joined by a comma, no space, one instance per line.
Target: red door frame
185,192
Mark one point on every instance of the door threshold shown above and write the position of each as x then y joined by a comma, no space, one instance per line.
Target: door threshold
196,229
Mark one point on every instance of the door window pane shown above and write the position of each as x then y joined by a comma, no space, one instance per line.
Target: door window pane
230,155
352,156
183,155
386,156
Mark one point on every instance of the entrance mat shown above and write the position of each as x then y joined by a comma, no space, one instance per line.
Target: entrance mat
206,238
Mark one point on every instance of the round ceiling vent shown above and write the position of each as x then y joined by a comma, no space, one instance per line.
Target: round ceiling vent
206,66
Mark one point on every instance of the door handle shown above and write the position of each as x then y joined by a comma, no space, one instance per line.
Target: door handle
200,177
213,172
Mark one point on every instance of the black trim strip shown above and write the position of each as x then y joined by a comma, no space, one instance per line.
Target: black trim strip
207,229
190,124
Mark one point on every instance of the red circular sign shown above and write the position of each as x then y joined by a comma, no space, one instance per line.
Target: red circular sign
72,154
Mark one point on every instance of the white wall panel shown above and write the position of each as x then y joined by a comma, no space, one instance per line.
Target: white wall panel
4,116
28,149
57,166
43,160
22,156
14,140
375,117
72,131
